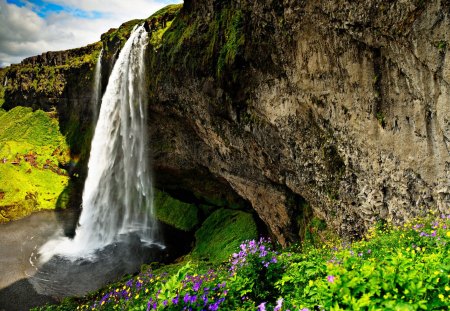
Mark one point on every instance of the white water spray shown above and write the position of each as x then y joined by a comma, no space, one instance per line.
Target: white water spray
118,196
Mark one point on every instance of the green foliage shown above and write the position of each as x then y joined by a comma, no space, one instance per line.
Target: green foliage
31,149
221,233
178,214
394,268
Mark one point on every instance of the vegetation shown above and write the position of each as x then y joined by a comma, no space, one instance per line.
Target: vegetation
183,216
3,72
50,79
221,233
120,34
393,268
223,37
31,152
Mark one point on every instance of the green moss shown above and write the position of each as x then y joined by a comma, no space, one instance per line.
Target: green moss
381,119
31,150
171,9
178,214
50,80
3,72
223,38
121,34
78,135
156,37
221,234
234,38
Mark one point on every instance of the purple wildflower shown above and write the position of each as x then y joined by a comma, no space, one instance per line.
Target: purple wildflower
186,298
149,304
279,305
262,306
331,278
196,286
175,300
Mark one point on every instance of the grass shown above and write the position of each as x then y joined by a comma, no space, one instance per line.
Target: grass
178,214
31,151
393,268
221,233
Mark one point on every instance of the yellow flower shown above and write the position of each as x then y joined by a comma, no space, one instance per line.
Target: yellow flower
136,297
448,234
103,302
441,297
447,288
146,290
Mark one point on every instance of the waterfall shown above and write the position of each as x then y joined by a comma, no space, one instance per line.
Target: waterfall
97,87
118,195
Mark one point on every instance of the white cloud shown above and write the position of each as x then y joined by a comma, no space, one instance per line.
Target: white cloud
24,33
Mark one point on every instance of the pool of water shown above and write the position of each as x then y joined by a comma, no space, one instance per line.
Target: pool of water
26,281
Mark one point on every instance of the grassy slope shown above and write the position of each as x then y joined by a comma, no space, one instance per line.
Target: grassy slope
37,183
221,233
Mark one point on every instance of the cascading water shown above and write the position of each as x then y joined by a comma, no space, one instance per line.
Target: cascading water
118,196
97,87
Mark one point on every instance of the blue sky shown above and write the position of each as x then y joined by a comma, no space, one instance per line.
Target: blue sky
31,27
44,9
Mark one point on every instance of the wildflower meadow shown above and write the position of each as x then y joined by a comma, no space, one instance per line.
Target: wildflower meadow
393,268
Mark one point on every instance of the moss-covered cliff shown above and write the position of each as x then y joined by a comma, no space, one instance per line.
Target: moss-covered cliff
339,108
338,104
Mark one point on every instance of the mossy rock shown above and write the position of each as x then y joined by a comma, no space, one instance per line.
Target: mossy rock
222,233
31,152
181,215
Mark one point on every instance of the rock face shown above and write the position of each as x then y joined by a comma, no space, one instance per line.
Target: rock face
343,104
271,104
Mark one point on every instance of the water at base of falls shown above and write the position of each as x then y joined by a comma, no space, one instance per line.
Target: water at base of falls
117,221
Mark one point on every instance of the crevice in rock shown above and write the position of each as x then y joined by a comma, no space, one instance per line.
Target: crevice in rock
377,86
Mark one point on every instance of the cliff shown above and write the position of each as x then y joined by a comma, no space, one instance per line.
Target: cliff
337,109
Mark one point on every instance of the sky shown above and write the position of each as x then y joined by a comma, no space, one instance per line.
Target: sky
31,27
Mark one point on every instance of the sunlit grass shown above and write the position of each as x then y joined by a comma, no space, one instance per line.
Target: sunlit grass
31,150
